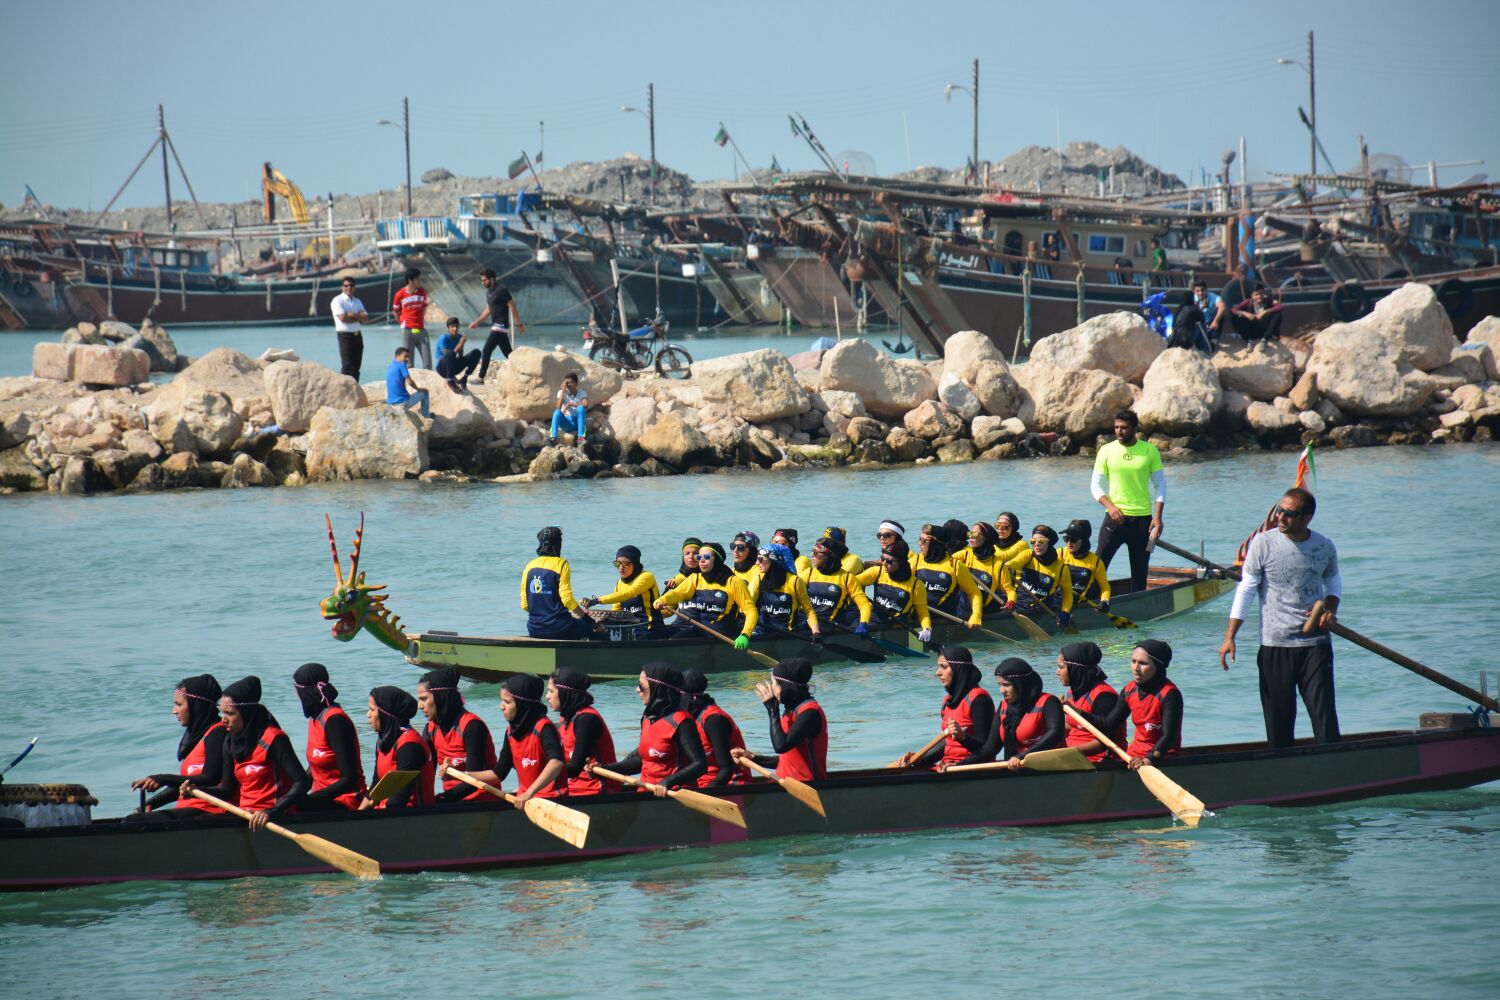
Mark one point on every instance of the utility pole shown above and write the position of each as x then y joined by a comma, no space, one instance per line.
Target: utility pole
651,124
166,177
1312,106
406,134
976,121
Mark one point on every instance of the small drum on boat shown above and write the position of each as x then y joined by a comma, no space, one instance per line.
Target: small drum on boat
46,805
621,626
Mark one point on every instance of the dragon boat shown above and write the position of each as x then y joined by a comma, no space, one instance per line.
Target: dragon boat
356,606
1451,750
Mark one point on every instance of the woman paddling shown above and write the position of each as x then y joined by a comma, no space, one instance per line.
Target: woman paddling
1087,691
1087,574
1009,541
1039,577
968,711
1153,703
716,730
669,753
532,746
262,774
585,735
713,596
1028,718
547,593
338,776
897,596
200,753
637,592
946,581
789,537
455,734
689,564
799,729
780,595
984,561
398,747
833,591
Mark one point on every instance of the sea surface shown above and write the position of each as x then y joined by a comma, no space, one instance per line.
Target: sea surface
109,600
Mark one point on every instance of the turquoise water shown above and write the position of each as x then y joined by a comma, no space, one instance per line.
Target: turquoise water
109,600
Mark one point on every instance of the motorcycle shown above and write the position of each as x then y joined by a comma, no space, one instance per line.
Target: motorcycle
639,349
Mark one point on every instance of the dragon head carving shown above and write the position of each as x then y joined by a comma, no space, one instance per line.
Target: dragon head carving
356,605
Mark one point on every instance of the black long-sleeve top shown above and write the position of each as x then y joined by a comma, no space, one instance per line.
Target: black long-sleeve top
409,757
691,761
803,728
552,749
213,769
982,715
720,733
284,758
1171,722
340,734
1053,736
476,743
586,732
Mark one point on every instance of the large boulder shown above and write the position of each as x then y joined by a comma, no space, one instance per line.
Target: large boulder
675,441
456,416
186,417
1180,393
1076,402
888,387
158,345
83,333
1487,333
965,351
378,442
1119,342
955,393
630,417
1264,418
1263,370
988,431
530,378
931,419
1467,366
1363,372
237,375
994,385
17,472
52,360
299,389
1413,320
758,386
112,366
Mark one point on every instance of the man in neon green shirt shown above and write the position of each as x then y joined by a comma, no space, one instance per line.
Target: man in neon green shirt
1132,488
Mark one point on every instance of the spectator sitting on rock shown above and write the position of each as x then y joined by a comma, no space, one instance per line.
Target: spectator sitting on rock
572,405
1259,317
398,381
452,363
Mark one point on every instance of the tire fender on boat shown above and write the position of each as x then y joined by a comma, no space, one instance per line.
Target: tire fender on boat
1349,301
22,288
1456,296
487,233
221,283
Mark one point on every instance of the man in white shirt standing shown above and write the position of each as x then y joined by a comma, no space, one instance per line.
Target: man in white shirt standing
349,317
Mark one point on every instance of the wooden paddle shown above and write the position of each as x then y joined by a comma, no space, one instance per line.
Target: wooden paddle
1061,759
940,737
389,784
563,822
981,630
846,651
799,790
719,809
894,647
1183,804
1118,621
1069,628
759,657
1401,660
324,850
1228,571
1033,631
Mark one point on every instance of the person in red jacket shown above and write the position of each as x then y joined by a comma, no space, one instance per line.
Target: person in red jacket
585,735
1089,693
338,775
455,734
410,307
262,773
1154,705
799,729
669,753
399,747
195,705
532,746
720,735
968,712
1027,719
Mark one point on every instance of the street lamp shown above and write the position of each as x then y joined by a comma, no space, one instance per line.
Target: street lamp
974,93
1312,98
405,126
650,115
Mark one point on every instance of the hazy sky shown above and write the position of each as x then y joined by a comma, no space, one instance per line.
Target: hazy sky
301,85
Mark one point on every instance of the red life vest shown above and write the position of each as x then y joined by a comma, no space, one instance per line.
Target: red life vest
953,750
322,763
604,753
1145,712
736,740
192,767
658,746
451,745
1077,735
385,761
527,758
261,781
807,761
1031,728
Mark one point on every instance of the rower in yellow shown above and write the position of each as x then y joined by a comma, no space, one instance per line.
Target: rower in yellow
780,595
892,535
897,595
1039,577
947,581
743,552
833,592
849,562
689,564
985,563
713,596
1086,572
637,591
1011,543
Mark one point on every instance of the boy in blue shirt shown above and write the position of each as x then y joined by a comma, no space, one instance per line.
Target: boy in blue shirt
398,381
453,364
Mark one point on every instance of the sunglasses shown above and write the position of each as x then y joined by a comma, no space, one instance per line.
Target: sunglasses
740,547
1290,513
623,562
885,534
705,557
641,687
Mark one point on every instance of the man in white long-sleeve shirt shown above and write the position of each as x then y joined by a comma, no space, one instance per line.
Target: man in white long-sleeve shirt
1288,571
1130,485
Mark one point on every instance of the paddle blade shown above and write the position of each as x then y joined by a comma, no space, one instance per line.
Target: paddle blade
805,794
563,822
1184,804
1032,629
1061,759
340,857
390,783
718,809
850,653
762,658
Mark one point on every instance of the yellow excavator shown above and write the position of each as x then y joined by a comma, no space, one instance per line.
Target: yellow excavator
272,183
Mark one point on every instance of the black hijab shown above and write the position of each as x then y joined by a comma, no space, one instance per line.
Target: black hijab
790,534
203,696
572,691
313,689
664,684
549,542
443,684
987,544
772,579
245,694
527,690
695,696
966,676
1028,685
939,544
1161,657
795,675
1015,526
958,534
720,574
900,554
1084,672
396,709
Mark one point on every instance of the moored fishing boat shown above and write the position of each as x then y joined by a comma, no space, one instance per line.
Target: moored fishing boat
1449,752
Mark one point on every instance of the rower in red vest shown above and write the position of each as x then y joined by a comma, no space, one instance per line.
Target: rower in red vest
263,774
1087,691
455,734
200,753
799,729
531,747
585,735
398,747
968,713
1154,705
1028,718
716,730
669,753
338,775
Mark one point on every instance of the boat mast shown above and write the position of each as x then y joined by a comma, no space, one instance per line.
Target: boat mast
166,176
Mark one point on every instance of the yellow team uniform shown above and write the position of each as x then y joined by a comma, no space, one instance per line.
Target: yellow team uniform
894,599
